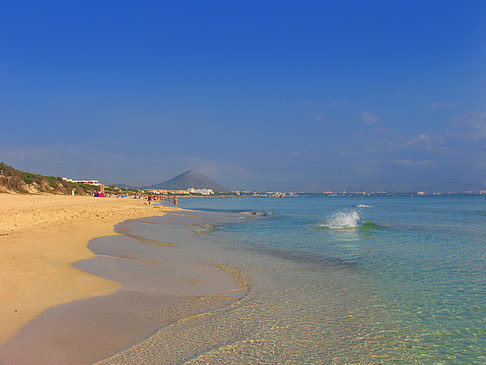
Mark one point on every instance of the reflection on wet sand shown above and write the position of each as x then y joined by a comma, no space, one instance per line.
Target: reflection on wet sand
160,286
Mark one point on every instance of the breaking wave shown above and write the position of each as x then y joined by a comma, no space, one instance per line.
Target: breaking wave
342,220
348,219
364,206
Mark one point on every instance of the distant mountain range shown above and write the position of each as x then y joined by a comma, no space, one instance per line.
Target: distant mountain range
456,187
186,180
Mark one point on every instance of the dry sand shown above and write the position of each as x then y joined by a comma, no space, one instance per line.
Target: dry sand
40,237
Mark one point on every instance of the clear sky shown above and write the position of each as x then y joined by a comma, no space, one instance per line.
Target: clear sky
254,94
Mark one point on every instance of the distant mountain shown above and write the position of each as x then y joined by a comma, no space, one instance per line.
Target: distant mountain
186,180
456,187
373,187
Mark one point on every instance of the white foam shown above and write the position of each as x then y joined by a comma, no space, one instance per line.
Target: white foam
343,220
364,206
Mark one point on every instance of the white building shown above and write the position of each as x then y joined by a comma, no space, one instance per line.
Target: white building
87,182
200,191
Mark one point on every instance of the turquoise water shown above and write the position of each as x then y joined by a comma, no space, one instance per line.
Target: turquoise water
422,259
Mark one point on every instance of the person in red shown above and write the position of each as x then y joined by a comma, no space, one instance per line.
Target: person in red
175,200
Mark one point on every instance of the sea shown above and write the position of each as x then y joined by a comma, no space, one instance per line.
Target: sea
334,280
350,280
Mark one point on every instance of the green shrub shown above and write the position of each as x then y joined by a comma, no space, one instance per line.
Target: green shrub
28,179
52,181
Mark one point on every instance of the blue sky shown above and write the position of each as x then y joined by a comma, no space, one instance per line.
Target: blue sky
254,94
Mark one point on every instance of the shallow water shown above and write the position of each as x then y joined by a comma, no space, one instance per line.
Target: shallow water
301,307
420,260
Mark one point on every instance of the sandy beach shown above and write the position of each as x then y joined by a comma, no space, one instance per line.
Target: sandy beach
41,236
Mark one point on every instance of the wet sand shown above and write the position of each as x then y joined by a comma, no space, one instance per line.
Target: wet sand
162,283
299,310
177,304
40,237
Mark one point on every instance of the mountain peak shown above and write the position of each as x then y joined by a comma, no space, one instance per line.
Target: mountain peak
189,179
188,173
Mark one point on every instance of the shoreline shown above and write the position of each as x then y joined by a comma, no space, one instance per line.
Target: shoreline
178,300
158,283
41,237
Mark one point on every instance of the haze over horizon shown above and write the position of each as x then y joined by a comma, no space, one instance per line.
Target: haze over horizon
257,95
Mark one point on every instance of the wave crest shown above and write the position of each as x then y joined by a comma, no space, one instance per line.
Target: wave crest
368,226
364,206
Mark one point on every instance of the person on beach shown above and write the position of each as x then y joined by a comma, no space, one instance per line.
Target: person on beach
149,199
175,201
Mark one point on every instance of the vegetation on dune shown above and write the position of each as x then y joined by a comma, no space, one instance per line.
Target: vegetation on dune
16,181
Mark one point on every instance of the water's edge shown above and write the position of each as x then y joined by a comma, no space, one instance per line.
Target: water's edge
160,287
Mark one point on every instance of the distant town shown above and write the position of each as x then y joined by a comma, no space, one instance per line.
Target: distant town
206,192
190,183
